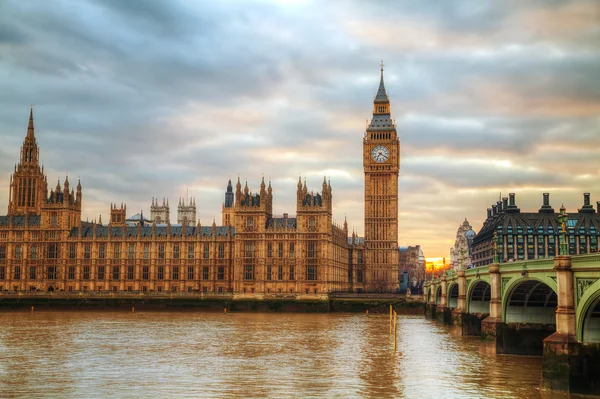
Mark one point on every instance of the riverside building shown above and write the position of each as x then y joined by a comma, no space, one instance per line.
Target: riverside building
45,246
533,235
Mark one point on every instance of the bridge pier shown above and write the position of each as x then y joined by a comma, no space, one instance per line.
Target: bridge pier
430,306
492,327
442,313
568,365
464,323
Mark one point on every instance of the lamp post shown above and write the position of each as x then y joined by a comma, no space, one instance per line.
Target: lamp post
495,239
562,219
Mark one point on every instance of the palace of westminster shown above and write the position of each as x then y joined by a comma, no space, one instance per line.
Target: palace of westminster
45,246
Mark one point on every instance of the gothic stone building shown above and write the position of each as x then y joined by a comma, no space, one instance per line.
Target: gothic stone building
532,235
44,244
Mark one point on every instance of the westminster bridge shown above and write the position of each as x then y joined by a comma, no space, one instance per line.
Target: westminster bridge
548,307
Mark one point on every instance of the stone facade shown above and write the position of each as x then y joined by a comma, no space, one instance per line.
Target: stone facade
460,253
411,267
44,244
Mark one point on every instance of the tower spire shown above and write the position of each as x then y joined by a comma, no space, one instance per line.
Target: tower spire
30,130
381,96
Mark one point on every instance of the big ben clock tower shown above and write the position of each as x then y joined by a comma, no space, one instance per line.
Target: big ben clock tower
381,161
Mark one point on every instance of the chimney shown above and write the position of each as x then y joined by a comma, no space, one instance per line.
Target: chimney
587,207
489,212
504,203
546,208
499,206
494,210
285,216
512,199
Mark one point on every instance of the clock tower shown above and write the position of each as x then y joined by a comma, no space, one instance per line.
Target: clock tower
381,162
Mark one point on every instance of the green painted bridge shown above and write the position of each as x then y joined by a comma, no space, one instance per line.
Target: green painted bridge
548,307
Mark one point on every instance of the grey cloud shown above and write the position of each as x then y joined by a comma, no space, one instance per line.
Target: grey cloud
111,80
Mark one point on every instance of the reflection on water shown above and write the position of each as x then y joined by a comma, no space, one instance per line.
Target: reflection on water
193,354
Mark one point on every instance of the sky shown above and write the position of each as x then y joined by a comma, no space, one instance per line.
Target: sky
143,99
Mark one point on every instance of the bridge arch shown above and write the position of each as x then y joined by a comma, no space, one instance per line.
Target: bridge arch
438,295
452,295
530,300
588,314
479,296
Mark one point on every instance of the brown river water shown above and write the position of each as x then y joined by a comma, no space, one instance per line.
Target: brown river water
111,354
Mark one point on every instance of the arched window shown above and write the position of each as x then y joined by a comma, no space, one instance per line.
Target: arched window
250,222
54,221
312,223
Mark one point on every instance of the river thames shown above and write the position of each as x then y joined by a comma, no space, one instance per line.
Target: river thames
102,354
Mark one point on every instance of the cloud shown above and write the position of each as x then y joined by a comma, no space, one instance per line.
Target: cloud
155,98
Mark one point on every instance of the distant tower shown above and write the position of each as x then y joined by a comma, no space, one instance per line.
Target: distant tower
28,189
186,211
160,213
227,210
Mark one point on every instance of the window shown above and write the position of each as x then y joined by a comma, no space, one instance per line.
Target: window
161,273
221,273
280,273
249,249
292,253
2,271
86,272
18,252
51,272
311,273
52,251
248,272
2,251
32,273
269,272
175,273
360,257
33,252
87,249
190,251
359,276
146,250
101,251
312,249
250,222
131,251
269,250
72,251
205,273
116,250
101,273
54,219
280,250
292,273
71,273
206,252
312,223
145,272
17,272
176,251
190,272
161,250
221,250
130,272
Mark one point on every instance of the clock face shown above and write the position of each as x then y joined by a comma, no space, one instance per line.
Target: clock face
380,153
